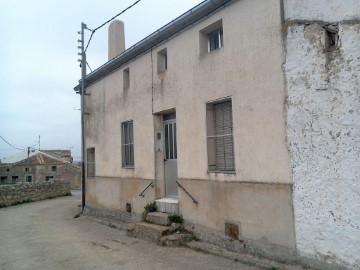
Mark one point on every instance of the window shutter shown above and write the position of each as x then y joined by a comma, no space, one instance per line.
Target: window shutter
220,138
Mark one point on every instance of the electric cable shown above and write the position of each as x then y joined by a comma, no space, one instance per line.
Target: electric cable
88,66
11,144
97,28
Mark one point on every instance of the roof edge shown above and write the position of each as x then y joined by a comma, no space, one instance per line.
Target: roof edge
188,18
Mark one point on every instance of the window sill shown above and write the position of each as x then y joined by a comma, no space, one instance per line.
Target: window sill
128,167
223,172
204,54
163,72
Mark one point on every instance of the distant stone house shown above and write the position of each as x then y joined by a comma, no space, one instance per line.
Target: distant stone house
40,167
64,155
238,114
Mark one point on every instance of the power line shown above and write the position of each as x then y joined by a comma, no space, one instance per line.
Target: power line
10,144
97,28
88,66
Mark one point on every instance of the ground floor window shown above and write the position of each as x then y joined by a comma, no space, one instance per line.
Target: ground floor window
127,144
48,178
90,162
3,179
220,146
28,178
15,179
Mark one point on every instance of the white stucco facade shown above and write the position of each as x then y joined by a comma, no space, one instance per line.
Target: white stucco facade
324,129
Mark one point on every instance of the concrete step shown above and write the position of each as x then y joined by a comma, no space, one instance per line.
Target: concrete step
158,218
176,239
168,205
150,232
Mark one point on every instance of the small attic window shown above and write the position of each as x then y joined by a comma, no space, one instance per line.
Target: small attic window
331,37
162,60
211,37
126,78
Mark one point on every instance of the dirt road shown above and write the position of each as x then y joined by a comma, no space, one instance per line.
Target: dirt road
45,235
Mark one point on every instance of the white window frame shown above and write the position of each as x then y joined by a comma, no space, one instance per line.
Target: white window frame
219,33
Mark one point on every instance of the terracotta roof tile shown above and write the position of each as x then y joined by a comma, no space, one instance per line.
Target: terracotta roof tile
40,159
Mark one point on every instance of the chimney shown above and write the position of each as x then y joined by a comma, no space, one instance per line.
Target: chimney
116,38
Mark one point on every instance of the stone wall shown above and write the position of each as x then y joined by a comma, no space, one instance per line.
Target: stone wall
25,192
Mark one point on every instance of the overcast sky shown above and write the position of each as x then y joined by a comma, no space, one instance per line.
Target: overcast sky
39,68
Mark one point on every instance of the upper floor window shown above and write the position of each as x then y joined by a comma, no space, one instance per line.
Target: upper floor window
162,62
127,144
211,37
126,78
53,168
215,40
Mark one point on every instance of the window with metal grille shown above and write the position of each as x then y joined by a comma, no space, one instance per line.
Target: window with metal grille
220,146
90,162
127,144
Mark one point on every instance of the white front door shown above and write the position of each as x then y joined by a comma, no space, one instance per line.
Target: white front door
171,175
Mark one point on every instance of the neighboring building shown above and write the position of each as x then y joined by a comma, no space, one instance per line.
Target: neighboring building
251,106
64,155
40,167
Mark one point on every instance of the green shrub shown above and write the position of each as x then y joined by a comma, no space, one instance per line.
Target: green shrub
175,218
150,207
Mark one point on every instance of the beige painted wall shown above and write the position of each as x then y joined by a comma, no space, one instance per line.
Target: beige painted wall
252,50
263,212
252,33
248,68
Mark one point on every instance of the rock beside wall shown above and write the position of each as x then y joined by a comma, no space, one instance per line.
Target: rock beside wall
25,192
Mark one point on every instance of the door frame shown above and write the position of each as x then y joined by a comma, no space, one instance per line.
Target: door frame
170,121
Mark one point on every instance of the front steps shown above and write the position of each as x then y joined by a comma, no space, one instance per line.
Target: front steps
168,205
158,218
157,227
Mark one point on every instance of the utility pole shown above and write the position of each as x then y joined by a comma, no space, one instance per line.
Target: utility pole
82,92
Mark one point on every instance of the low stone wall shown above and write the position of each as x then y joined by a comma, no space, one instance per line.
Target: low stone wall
26,192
